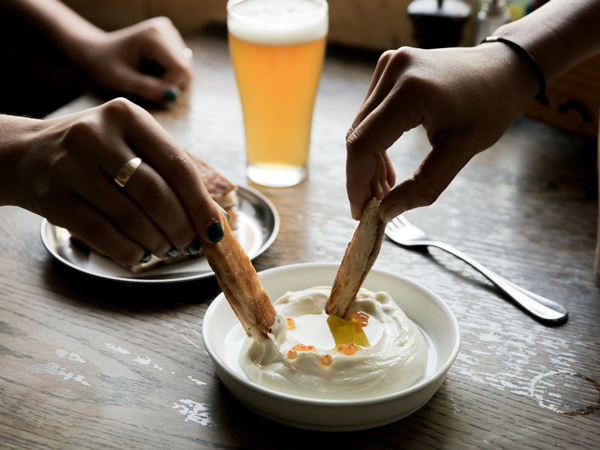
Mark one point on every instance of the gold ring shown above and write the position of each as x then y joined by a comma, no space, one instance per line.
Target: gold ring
127,171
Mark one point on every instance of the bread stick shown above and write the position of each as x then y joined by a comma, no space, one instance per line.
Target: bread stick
360,256
240,284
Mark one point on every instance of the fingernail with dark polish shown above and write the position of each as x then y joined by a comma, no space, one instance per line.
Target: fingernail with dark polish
215,232
170,95
146,258
172,253
226,213
193,247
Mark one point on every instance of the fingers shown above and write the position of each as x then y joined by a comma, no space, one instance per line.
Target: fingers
106,237
151,61
384,116
406,91
163,207
366,184
169,184
124,212
434,175
168,50
94,228
394,106
162,44
370,101
148,87
390,173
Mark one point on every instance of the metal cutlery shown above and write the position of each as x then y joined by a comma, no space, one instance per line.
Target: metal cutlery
402,232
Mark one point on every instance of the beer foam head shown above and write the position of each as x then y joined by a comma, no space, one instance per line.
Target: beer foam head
278,22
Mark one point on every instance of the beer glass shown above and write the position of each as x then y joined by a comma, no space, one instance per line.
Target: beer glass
277,49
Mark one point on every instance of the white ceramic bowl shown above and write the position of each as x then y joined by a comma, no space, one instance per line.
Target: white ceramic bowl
221,329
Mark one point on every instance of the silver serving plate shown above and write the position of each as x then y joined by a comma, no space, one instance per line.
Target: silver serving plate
258,226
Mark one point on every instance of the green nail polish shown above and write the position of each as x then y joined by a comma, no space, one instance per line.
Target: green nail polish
226,214
193,247
147,257
215,232
172,253
170,95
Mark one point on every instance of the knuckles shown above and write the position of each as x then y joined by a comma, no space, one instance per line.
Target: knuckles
397,59
181,166
155,30
157,25
353,142
82,132
93,126
119,109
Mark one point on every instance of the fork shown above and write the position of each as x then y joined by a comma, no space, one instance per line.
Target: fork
402,232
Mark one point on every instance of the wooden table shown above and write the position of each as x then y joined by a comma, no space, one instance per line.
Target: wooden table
92,364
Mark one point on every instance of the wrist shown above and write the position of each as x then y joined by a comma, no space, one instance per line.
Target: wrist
76,43
511,83
16,137
526,56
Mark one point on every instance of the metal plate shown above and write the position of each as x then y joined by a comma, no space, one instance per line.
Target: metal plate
258,226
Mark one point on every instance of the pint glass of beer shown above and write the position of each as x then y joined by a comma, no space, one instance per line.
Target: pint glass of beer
277,49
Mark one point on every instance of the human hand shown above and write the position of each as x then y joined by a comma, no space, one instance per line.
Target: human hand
63,169
465,98
114,60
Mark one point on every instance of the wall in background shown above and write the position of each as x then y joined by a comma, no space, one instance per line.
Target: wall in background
368,24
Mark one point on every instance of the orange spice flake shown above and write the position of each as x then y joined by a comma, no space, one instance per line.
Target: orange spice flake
293,353
361,318
349,349
290,323
304,348
326,360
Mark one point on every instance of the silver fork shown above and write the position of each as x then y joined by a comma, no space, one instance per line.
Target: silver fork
402,232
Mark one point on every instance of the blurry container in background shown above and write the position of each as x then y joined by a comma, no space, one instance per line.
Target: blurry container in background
520,8
492,15
438,23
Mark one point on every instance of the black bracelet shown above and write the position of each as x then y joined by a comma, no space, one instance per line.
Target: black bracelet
532,62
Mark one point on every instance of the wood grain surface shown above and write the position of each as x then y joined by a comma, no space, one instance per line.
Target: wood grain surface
87,363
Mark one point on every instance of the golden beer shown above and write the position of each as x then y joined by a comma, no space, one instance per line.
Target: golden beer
277,49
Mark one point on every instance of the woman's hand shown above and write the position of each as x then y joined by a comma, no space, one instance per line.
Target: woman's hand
465,98
115,60
64,169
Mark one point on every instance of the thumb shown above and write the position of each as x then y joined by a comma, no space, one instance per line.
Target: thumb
433,176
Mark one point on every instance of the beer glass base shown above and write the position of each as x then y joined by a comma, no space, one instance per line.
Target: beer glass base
276,177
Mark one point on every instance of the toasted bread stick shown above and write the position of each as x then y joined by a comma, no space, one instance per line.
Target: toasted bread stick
358,260
240,284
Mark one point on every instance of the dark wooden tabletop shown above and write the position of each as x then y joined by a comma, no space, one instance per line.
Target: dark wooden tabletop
87,363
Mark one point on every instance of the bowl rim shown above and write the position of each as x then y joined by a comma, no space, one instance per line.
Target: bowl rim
385,398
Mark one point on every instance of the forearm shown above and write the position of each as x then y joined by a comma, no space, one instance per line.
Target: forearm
559,35
64,27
